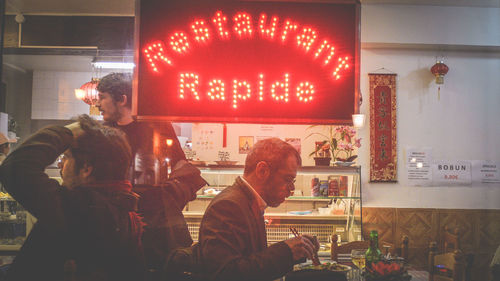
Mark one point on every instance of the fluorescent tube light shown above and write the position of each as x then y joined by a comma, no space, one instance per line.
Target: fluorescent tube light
114,65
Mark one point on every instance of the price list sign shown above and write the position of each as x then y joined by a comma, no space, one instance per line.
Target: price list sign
486,172
452,173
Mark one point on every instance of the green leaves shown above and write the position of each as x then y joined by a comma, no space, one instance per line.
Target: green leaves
318,148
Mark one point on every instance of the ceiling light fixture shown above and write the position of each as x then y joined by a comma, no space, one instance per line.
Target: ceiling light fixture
113,65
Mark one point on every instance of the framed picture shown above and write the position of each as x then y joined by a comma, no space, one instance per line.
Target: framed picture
245,144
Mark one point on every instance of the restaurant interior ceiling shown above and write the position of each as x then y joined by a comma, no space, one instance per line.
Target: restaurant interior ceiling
126,8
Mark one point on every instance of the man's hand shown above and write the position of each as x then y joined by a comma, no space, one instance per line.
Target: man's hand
303,246
75,129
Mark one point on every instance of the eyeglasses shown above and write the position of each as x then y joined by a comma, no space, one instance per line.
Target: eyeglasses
61,159
290,181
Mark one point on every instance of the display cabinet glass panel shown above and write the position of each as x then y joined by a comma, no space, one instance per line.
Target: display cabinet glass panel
326,201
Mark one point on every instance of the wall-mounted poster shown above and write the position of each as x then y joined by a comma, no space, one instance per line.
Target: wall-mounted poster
275,62
245,144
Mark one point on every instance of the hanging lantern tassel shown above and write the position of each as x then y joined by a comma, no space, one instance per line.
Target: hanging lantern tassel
94,110
439,70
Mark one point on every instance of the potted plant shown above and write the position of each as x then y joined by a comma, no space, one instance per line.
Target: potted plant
340,142
322,154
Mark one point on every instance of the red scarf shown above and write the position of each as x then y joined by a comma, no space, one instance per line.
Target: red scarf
136,224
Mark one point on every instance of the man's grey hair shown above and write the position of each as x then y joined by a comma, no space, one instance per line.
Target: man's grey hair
273,151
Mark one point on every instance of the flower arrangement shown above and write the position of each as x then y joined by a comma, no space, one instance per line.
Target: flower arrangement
341,142
382,271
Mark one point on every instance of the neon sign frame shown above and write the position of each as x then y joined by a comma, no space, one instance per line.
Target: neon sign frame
168,86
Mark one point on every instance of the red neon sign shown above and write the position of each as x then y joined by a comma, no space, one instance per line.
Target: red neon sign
243,29
236,57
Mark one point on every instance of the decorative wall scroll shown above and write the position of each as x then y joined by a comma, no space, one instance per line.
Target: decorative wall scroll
383,154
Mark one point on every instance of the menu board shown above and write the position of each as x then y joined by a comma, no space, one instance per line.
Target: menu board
418,164
255,62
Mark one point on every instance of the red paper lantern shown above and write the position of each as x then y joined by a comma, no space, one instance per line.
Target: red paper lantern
88,92
439,70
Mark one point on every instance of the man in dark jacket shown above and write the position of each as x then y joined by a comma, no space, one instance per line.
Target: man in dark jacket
233,243
87,225
160,205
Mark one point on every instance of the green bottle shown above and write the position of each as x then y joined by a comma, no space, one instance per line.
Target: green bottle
373,254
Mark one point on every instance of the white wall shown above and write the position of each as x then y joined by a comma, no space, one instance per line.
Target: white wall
430,25
54,94
461,125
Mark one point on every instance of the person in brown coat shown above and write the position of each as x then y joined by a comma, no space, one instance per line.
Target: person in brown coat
233,243
87,227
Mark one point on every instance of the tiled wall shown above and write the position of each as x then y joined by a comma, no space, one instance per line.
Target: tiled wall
54,95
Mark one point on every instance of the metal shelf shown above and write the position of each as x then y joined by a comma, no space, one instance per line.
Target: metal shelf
298,198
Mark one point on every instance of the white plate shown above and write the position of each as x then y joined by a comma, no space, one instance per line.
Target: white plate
336,267
226,163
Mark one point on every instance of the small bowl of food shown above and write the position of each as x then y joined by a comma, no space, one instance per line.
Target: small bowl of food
325,271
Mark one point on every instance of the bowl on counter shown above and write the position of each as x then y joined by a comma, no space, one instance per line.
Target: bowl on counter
324,211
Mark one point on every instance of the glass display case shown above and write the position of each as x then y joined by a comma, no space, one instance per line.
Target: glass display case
326,201
15,224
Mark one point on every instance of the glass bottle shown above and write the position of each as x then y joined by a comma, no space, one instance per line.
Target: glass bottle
373,254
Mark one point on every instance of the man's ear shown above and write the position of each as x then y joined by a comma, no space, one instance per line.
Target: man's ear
262,171
86,172
124,100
